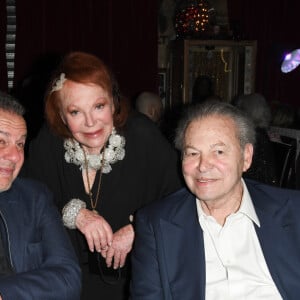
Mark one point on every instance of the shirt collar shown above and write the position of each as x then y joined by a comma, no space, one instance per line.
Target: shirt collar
246,208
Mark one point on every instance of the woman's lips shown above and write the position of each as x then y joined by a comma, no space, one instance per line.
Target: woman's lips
94,133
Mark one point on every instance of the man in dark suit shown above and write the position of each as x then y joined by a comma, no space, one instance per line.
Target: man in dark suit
36,258
223,237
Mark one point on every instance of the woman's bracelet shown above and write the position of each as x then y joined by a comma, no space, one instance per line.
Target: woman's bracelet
70,212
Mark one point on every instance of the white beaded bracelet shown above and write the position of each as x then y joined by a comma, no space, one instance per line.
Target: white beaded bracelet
70,212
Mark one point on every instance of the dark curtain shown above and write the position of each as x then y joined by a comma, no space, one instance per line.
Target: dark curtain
122,33
275,27
3,70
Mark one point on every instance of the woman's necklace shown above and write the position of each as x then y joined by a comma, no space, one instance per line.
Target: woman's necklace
114,151
86,167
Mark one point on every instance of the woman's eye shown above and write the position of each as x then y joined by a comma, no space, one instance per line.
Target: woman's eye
100,106
74,112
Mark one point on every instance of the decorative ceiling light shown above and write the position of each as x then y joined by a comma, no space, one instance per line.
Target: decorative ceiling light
291,61
192,18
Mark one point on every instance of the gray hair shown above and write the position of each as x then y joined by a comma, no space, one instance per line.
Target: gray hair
245,128
10,104
257,108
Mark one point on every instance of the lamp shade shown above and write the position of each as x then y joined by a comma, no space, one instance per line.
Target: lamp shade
291,61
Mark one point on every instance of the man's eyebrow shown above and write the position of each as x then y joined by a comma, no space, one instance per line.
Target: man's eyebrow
190,147
4,132
24,136
211,146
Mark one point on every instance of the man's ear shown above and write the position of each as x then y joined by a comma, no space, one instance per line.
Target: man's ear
149,112
152,111
248,155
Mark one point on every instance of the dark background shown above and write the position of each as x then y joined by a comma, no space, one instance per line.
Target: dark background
124,35
274,24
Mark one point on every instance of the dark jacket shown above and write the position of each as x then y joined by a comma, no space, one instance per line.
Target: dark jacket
38,247
168,259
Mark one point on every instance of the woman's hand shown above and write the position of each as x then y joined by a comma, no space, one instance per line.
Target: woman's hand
120,247
96,230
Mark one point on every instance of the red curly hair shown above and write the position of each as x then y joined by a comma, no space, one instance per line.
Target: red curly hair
83,68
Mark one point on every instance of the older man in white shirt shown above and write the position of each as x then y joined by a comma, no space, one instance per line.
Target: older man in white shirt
223,237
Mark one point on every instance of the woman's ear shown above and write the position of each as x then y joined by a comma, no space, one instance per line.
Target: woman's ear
62,118
112,107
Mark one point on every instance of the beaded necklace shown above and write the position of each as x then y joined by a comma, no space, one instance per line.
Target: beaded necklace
114,151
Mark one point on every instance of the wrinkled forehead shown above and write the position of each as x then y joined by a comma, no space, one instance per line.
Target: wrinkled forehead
12,124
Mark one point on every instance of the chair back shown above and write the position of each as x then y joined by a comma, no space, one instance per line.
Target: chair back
285,154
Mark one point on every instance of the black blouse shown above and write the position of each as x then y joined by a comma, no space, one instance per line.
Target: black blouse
148,172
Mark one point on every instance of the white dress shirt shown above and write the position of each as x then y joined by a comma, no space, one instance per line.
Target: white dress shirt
235,265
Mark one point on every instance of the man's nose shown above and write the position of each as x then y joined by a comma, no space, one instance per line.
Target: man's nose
204,163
